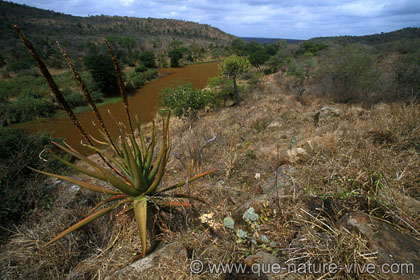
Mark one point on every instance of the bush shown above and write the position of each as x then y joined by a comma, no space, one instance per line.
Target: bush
147,58
349,73
138,79
407,73
19,187
30,106
184,100
73,98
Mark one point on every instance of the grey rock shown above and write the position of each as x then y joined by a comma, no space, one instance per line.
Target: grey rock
324,114
392,246
165,260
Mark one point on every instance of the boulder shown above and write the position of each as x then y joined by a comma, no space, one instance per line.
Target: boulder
395,250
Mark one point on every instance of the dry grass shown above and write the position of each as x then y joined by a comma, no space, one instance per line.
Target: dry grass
362,159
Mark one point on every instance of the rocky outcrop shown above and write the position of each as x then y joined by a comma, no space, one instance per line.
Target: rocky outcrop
398,254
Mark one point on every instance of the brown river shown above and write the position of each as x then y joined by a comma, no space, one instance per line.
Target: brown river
143,103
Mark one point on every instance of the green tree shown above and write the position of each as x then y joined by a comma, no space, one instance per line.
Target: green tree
258,58
175,55
176,52
103,74
148,59
231,68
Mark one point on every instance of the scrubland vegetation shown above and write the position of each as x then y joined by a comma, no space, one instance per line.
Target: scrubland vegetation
324,128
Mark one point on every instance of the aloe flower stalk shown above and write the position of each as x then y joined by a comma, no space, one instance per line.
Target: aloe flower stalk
120,83
85,92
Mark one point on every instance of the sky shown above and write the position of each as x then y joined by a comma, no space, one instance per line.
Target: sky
290,19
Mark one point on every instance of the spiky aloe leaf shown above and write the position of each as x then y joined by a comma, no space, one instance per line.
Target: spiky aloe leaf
123,186
83,222
80,169
113,198
80,183
70,150
180,184
139,180
140,211
110,158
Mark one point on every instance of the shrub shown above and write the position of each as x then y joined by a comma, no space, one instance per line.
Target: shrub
30,106
147,58
184,100
137,79
73,98
19,186
407,73
348,72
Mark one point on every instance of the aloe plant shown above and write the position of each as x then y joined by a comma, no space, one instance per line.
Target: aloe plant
133,169
141,176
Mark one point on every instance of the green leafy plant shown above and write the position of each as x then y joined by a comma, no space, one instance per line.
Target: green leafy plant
133,170
251,235
232,67
184,100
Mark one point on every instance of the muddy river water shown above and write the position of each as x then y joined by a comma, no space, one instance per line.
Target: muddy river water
144,104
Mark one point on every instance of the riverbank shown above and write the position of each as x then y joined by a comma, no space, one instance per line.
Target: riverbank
143,104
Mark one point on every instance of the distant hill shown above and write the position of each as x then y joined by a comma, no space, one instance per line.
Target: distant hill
77,34
408,33
270,40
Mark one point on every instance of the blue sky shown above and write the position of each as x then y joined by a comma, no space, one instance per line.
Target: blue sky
259,18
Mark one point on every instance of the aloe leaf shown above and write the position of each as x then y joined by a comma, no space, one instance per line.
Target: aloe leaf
98,141
68,149
114,147
111,159
80,183
161,154
137,152
115,197
139,182
180,184
152,188
151,148
83,222
121,185
80,169
140,211
142,142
